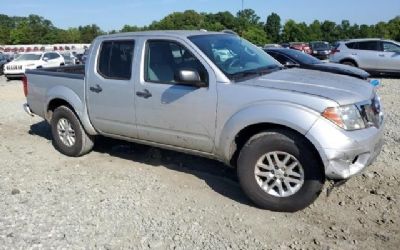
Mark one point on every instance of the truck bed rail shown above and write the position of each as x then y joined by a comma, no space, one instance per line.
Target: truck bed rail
75,72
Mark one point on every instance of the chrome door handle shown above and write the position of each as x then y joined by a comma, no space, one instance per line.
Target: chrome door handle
145,94
97,89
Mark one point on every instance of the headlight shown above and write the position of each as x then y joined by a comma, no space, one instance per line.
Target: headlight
347,117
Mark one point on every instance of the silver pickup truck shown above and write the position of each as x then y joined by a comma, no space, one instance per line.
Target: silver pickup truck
215,95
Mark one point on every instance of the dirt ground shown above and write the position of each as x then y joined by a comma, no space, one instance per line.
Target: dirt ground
124,195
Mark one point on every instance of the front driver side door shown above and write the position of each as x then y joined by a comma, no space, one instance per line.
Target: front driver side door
171,113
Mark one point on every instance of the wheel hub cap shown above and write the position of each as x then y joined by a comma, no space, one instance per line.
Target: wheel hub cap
279,174
65,132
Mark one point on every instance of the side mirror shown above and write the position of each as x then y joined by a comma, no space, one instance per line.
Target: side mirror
289,64
190,77
45,59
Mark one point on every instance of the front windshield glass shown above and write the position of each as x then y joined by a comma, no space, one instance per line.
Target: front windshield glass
235,56
301,57
321,46
28,57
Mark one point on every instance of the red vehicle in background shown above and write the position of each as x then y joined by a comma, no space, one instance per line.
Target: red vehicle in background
303,47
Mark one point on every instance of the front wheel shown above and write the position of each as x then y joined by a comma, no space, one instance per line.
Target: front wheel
279,171
69,137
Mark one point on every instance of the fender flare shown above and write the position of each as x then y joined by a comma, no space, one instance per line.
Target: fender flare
291,115
69,96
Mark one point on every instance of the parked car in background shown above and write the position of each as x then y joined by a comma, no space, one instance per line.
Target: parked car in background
303,47
376,56
285,45
78,57
3,61
293,58
272,45
33,60
69,58
285,130
320,50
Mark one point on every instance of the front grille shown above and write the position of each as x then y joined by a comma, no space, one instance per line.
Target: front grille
14,67
371,112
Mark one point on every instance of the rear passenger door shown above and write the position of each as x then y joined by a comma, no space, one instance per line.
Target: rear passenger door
110,89
368,54
169,112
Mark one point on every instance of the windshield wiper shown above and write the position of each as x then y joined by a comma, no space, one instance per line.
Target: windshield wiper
257,72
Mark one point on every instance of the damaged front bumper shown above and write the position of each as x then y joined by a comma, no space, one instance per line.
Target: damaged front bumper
345,153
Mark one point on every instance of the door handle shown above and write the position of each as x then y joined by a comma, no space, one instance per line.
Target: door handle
382,55
145,94
96,89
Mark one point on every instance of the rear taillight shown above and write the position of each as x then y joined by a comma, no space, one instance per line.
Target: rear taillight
334,51
25,85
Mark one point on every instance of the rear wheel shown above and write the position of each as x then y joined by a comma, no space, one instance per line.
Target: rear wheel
279,171
69,137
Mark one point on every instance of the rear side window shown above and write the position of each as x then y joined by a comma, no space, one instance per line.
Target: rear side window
115,59
351,45
370,45
281,58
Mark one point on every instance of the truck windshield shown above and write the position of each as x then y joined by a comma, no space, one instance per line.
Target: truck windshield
28,57
234,56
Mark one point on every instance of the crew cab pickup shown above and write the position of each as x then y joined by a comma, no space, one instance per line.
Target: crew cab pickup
286,131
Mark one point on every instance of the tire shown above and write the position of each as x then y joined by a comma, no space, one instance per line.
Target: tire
62,119
285,144
349,63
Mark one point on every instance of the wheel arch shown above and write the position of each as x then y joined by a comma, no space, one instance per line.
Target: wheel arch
61,95
352,60
253,120
246,133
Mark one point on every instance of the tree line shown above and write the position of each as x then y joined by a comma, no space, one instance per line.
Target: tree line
36,29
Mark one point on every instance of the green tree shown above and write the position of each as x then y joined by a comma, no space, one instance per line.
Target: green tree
293,32
89,32
21,34
128,28
315,32
273,27
256,35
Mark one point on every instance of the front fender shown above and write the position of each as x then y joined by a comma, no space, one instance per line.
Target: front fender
66,94
290,115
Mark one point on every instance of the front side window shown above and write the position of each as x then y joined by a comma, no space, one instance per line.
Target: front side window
370,45
391,47
234,56
164,59
53,56
115,59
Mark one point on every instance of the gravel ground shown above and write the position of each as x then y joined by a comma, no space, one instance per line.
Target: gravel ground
125,195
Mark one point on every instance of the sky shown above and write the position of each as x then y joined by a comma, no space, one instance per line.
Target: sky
114,14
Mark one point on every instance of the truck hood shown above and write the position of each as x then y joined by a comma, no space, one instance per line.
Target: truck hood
339,88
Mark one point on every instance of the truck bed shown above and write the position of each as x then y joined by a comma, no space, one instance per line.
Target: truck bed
76,71
67,83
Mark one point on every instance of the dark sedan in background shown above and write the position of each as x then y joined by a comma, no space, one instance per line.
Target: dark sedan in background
320,50
293,58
